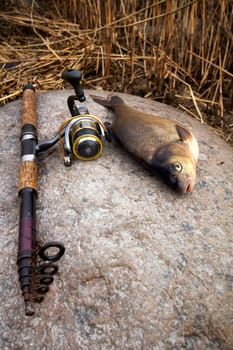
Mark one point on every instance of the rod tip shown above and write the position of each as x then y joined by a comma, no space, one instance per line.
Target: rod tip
29,309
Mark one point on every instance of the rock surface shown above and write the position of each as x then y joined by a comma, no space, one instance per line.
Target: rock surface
145,268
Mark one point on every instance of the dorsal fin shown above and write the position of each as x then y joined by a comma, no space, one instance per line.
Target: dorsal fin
110,102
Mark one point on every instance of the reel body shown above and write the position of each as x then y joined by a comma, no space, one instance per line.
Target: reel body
83,137
80,136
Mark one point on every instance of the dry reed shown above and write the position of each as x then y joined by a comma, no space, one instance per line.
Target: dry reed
177,52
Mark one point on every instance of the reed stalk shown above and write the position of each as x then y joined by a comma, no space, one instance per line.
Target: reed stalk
178,52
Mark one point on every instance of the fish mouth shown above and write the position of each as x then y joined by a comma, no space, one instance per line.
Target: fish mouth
187,186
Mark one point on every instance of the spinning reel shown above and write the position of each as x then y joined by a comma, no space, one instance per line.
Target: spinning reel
81,135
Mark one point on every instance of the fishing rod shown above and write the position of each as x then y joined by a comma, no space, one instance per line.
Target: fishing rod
79,136
35,264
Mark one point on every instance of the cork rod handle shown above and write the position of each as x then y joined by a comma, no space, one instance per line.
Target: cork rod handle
29,106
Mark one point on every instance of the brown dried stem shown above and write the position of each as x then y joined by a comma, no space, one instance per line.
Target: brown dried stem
156,49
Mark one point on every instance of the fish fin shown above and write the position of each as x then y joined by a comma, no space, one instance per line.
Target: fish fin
184,134
109,134
110,102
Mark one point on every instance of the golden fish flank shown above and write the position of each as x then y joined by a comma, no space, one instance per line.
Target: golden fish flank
161,144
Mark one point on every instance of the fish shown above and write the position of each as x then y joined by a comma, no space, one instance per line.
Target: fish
163,145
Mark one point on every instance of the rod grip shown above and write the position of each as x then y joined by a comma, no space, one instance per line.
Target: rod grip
28,176
29,106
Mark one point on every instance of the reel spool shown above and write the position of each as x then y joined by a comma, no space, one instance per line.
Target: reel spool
83,137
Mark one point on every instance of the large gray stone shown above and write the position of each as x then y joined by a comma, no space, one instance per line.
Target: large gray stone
145,268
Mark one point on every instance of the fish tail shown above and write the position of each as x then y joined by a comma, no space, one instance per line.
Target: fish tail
110,102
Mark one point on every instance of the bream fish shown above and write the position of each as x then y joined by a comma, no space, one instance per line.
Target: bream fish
163,145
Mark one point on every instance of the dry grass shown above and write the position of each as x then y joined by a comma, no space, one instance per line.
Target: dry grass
178,52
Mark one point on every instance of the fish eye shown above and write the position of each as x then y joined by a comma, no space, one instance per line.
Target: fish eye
177,167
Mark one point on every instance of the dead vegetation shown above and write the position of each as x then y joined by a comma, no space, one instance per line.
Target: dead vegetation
177,52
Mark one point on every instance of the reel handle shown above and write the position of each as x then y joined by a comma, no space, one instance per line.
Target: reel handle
74,76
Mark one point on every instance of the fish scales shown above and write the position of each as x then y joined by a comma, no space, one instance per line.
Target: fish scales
164,145
142,134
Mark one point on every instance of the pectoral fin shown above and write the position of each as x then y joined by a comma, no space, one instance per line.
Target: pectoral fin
187,138
183,133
